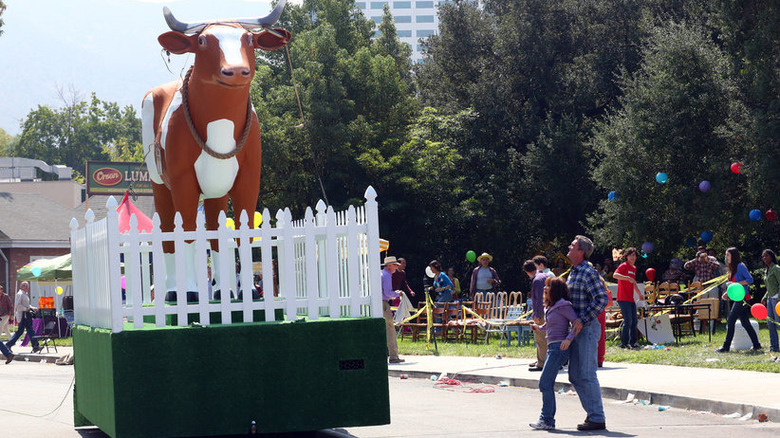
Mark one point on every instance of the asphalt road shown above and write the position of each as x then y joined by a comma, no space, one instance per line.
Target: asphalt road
37,402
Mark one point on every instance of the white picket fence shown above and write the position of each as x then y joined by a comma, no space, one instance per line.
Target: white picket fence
327,263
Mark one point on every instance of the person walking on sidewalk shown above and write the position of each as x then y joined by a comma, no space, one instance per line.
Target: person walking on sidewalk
6,308
388,295
740,310
23,313
627,290
589,298
772,281
537,301
558,316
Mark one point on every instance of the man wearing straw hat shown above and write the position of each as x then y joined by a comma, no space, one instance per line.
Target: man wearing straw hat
484,278
389,266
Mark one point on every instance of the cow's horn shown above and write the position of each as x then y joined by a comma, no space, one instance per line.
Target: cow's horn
267,21
180,26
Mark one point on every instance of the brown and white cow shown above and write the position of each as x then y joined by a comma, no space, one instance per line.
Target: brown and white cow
201,135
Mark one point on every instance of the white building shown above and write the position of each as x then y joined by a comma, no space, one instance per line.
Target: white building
414,19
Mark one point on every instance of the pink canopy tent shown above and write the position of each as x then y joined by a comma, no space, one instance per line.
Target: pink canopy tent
125,210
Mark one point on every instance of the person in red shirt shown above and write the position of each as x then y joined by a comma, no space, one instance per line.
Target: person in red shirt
625,274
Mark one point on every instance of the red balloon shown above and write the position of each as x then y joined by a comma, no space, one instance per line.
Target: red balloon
736,167
770,215
650,273
758,311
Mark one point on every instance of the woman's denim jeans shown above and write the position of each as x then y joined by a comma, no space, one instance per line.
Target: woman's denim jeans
552,363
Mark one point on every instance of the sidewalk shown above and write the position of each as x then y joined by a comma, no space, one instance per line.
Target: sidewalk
719,391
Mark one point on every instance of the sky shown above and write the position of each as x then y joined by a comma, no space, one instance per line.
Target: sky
108,47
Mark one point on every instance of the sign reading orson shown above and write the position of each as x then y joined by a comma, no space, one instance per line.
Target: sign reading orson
115,178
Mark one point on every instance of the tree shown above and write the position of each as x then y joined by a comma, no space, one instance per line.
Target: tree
681,114
2,10
6,143
78,132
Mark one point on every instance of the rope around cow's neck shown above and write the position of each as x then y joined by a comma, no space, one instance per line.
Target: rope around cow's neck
198,138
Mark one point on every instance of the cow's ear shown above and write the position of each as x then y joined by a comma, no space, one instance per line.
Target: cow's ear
267,40
178,43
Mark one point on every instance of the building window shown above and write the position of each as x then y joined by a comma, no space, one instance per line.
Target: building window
377,20
424,5
403,19
424,33
404,33
378,5
402,5
425,18
361,5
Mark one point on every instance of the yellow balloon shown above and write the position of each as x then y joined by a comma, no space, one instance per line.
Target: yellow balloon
777,308
258,219
230,223
59,290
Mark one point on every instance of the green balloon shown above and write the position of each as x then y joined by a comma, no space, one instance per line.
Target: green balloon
471,256
736,292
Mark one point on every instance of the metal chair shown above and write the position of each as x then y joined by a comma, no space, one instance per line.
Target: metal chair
46,339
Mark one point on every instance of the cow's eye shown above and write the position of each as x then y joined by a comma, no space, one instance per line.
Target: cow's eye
202,41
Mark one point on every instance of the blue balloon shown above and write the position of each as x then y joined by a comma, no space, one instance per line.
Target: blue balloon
705,186
661,177
648,247
612,195
691,241
706,236
755,214
36,271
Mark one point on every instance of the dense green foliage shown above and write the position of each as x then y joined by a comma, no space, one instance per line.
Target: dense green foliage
79,132
508,138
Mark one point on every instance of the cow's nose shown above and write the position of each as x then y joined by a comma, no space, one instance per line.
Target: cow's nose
229,72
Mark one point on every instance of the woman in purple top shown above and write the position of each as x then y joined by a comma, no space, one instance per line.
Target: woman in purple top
558,315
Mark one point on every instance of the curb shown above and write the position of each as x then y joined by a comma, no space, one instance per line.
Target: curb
655,398
39,357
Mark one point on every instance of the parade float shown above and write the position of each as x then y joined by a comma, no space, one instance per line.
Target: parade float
310,354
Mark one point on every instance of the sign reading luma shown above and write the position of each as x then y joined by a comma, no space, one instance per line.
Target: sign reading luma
115,178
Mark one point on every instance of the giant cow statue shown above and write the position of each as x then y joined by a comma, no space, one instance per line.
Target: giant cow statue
201,135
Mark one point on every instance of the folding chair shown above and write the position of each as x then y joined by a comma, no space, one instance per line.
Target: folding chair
46,339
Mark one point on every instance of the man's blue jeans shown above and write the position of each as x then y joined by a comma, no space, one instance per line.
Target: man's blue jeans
552,363
772,316
583,363
25,323
628,333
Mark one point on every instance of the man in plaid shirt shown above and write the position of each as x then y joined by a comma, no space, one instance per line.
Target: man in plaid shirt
705,266
589,299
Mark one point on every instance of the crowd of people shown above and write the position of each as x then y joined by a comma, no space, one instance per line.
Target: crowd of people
567,313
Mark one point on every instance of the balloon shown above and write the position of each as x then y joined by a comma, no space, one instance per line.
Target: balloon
706,236
124,283
613,196
650,273
661,178
471,256
755,214
770,215
691,241
758,311
736,167
705,186
59,290
230,223
648,247
258,219
777,308
428,272
736,292
36,271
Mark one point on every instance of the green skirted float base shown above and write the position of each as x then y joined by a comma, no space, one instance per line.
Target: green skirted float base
216,380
